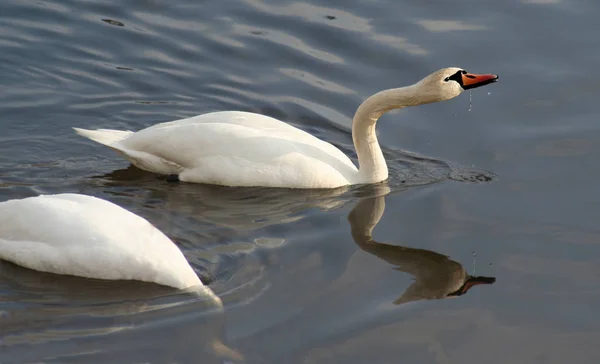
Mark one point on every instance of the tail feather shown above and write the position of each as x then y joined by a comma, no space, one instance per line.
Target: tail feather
103,136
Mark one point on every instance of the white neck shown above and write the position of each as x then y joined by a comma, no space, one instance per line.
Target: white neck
371,164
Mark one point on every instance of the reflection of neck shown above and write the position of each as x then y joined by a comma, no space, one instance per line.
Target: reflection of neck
436,275
364,217
372,166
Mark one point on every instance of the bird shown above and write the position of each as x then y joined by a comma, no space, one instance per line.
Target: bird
436,275
243,149
85,236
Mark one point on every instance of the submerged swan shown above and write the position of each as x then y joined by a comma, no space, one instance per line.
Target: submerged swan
436,276
234,148
89,237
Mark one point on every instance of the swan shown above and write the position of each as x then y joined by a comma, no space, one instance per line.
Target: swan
235,148
86,236
436,275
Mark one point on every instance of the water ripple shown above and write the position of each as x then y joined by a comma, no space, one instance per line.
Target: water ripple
128,65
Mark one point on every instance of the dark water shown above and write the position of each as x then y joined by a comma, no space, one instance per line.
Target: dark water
298,286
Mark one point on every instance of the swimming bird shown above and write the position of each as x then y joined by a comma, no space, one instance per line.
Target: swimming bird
85,236
436,275
235,148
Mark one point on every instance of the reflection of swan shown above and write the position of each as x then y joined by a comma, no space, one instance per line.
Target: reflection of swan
238,208
89,237
235,148
241,209
436,275
86,320
325,308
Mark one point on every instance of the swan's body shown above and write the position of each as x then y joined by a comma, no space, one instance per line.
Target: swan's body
232,148
89,237
235,148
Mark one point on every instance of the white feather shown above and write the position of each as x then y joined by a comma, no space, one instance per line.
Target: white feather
235,148
89,237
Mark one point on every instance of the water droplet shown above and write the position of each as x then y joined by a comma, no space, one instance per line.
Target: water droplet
470,100
489,93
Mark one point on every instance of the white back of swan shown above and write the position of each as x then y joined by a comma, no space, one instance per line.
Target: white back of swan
235,148
89,237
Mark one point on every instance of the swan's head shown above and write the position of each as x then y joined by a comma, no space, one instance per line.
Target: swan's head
450,82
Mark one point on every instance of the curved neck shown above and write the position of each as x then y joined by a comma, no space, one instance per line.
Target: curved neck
364,217
371,164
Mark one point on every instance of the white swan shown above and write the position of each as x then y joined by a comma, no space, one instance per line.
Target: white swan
234,148
86,236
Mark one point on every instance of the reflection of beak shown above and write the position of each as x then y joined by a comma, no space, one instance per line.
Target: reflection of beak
470,282
470,80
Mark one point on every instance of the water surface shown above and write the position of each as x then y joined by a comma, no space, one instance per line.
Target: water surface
505,187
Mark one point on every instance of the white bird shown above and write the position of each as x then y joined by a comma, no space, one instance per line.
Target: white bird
90,237
234,148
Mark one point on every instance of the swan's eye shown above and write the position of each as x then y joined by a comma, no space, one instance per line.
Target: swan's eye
463,72
456,77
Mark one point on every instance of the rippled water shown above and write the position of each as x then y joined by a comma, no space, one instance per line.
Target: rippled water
505,187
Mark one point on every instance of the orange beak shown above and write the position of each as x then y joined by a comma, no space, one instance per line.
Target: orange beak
470,80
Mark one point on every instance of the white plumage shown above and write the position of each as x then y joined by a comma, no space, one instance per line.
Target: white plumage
232,148
235,148
89,237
